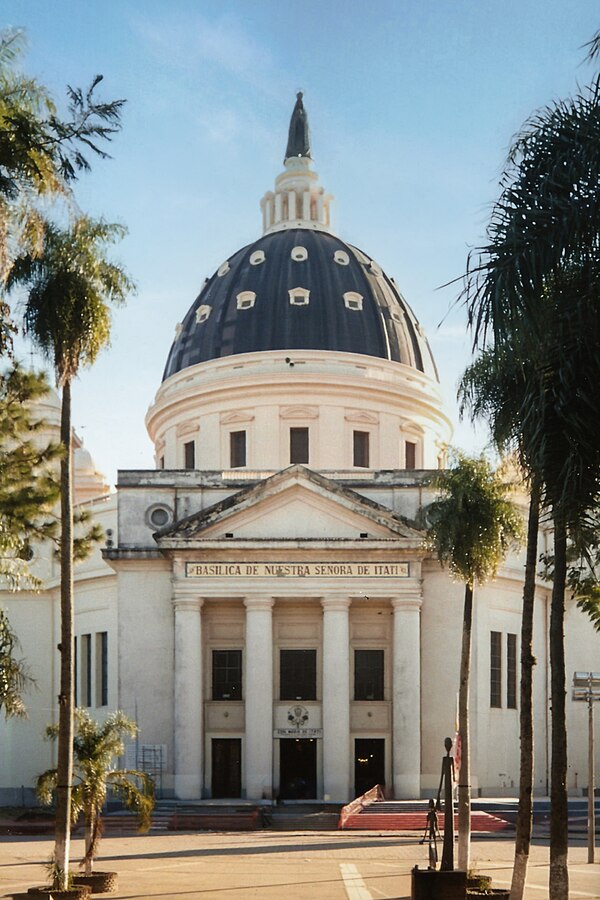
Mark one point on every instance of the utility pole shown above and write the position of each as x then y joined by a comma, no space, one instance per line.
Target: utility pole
586,687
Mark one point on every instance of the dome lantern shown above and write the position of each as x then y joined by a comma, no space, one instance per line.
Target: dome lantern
298,201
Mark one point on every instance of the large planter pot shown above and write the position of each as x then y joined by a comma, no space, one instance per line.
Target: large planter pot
427,884
479,882
99,882
489,893
80,892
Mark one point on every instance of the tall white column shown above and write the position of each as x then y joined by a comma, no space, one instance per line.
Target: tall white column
336,699
188,701
258,692
406,706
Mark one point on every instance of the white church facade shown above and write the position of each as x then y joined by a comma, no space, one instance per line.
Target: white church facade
264,605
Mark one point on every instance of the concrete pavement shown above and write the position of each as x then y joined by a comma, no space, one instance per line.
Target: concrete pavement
280,865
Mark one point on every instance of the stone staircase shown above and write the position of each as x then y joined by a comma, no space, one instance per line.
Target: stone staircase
402,815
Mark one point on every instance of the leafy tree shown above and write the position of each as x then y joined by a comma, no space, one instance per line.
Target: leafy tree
28,485
41,153
14,675
95,748
472,526
69,286
535,285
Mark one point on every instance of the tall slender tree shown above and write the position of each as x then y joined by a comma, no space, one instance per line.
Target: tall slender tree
69,287
492,389
472,527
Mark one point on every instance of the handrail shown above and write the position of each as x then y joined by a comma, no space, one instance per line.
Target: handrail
371,796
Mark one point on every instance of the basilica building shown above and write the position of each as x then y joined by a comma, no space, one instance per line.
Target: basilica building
264,606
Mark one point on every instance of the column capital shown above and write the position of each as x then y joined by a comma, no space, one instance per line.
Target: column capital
335,603
406,604
186,603
260,601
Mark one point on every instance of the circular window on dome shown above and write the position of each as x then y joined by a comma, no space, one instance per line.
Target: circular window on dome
223,270
341,258
246,299
202,314
158,515
299,254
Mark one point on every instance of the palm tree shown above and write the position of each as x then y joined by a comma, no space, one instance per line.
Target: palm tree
69,286
472,526
95,748
492,389
536,285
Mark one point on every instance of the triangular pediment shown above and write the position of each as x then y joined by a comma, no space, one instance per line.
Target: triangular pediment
295,504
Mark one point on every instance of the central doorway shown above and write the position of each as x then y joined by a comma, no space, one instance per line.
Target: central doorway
369,764
226,767
297,768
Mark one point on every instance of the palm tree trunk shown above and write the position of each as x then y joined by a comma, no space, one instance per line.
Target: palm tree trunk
66,696
88,847
559,823
464,787
525,810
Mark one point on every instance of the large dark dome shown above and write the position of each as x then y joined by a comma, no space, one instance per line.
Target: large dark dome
249,305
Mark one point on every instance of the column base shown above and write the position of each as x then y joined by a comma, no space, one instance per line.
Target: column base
188,787
407,787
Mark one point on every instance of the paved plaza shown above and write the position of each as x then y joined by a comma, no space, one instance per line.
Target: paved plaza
280,865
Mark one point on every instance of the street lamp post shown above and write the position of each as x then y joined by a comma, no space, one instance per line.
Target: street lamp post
586,686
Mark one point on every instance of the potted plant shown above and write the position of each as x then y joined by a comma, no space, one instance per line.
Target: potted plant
481,886
95,747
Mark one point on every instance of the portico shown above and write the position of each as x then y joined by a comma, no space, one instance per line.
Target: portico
322,644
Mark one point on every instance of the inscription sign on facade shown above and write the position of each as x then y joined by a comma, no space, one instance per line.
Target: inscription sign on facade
297,570
298,717
298,732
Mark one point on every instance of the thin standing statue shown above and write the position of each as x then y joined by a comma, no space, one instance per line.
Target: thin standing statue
298,137
447,780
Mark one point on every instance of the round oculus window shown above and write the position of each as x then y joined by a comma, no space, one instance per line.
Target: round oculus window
158,516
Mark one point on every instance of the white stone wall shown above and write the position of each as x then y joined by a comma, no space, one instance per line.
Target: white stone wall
330,394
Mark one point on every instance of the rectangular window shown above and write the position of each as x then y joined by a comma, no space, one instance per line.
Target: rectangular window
86,669
237,449
410,455
189,455
297,674
368,674
361,449
227,675
161,462
495,668
511,671
299,445
101,668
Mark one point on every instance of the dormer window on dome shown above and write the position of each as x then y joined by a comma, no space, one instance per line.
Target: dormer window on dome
223,269
341,258
353,300
202,314
257,257
299,296
246,299
299,254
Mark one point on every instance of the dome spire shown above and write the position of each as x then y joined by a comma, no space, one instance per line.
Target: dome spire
298,201
298,136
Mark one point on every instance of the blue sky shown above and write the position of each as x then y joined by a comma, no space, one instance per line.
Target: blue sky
412,105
